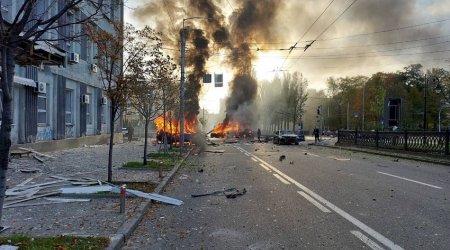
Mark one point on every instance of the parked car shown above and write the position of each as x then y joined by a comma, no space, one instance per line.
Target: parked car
285,137
300,136
329,133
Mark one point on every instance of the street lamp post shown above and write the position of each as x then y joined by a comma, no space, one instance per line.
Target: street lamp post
437,89
182,84
446,105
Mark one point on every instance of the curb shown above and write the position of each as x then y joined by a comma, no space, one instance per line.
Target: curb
127,228
397,155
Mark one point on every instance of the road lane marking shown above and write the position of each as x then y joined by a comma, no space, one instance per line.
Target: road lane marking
281,179
433,186
264,166
247,154
370,243
374,234
314,202
255,160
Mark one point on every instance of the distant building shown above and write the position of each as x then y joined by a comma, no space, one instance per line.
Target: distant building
66,101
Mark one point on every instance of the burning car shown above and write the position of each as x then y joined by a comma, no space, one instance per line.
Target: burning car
285,137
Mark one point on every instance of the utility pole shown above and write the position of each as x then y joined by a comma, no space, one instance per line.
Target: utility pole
425,105
182,87
348,116
363,107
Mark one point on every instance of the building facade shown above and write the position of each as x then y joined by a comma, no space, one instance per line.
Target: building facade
55,102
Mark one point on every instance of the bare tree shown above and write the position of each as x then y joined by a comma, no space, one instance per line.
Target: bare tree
18,34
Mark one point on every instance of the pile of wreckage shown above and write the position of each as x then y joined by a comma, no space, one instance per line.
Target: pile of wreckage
65,189
62,190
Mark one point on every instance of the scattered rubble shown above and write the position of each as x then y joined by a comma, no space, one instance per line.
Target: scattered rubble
229,193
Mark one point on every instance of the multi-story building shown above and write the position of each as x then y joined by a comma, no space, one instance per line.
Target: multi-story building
62,97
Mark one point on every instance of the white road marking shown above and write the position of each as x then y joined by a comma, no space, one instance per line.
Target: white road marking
264,166
247,154
314,202
370,243
255,160
281,179
374,234
433,186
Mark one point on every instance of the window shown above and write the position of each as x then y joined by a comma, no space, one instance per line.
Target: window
42,109
69,106
103,113
89,111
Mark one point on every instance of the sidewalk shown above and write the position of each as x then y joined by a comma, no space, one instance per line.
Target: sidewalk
410,155
99,216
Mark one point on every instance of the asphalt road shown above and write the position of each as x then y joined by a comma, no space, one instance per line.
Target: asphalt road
317,198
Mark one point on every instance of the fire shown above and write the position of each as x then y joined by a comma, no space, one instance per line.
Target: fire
172,128
223,129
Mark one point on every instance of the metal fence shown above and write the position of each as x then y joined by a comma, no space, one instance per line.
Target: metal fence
418,141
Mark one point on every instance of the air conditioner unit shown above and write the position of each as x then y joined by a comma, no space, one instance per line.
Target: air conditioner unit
94,68
104,100
41,87
85,99
74,58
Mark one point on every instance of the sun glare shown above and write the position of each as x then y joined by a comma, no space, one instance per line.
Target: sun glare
267,65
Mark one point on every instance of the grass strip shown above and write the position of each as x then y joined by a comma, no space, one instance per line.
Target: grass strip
55,242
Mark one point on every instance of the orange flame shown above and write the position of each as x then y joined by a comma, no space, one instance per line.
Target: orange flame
222,129
172,127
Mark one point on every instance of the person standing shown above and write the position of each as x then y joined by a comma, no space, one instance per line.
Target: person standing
259,135
316,135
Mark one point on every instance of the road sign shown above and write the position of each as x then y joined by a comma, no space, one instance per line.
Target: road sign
356,114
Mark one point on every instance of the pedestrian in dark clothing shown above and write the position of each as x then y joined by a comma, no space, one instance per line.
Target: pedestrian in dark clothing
316,135
259,135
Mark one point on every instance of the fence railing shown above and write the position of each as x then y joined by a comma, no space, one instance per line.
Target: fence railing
418,141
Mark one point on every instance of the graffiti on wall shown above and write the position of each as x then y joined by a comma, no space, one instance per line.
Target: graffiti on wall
44,134
69,131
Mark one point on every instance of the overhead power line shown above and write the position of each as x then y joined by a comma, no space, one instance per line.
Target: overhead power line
383,44
331,24
388,30
335,20
307,30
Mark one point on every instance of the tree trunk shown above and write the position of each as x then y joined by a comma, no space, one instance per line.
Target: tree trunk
111,141
7,77
145,141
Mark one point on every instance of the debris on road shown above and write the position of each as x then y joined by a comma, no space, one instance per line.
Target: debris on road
282,157
38,159
230,193
37,153
218,151
29,170
156,197
183,177
20,153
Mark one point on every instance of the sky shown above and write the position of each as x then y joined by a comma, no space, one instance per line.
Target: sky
350,37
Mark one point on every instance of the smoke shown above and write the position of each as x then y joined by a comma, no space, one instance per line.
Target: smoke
238,28
196,61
